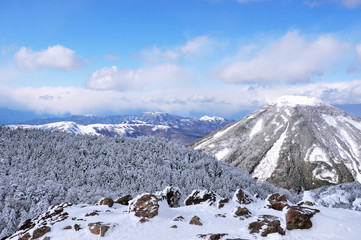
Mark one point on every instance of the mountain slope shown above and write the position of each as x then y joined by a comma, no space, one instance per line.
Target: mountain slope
41,168
175,128
294,142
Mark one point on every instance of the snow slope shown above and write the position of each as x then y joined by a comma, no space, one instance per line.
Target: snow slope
294,142
328,224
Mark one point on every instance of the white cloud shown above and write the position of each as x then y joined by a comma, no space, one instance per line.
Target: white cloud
55,57
290,59
224,101
345,3
112,78
191,48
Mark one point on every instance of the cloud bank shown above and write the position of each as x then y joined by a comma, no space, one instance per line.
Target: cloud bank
55,57
290,59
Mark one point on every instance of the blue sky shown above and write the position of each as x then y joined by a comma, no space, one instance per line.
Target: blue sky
216,57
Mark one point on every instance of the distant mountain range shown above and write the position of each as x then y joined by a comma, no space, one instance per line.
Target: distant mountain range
175,128
294,142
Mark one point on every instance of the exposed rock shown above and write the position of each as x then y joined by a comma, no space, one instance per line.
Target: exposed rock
143,220
308,203
98,228
172,195
106,201
77,227
299,217
277,201
27,225
196,221
25,237
174,226
179,218
94,213
41,231
46,238
242,213
67,227
222,202
268,224
197,197
212,236
242,197
221,215
145,206
124,200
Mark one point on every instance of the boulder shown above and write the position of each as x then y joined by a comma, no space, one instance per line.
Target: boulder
25,237
222,202
124,200
77,227
277,201
145,206
242,213
179,219
196,221
212,236
41,231
98,228
172,195
299,217
242,197
197,197
106,201
308,203
266,224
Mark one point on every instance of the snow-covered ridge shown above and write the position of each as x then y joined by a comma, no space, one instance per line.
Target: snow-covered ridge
211,119
206,220
293,101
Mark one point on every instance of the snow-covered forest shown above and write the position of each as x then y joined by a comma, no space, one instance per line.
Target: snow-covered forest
39,168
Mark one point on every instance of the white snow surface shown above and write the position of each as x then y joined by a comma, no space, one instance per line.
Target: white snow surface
268,164
221,154
293,101
211,119
329,224
257,128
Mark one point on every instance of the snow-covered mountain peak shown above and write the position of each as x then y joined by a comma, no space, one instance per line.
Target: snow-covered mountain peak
211,119
293,101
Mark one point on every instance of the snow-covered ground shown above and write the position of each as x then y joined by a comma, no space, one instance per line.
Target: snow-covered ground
328,224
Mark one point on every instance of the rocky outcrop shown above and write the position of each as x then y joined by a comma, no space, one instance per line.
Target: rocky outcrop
145,206
200,196
277,201
242,197
98,228
242,213
41,231
172,195
212,236
222,202
124,200
106,201
265,225
300,217
196,221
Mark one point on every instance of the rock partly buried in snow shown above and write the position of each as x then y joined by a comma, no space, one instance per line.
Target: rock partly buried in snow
196,221
242,213
266,224
200,196
124,200
144,206
300,217
295,142
242,197
98,228
277,201
212,236
222,202
172,195
106,201
41,231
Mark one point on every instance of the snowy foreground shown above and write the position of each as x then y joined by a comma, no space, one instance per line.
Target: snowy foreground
76,222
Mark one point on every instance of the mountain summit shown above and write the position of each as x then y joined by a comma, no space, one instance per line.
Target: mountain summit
294,142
